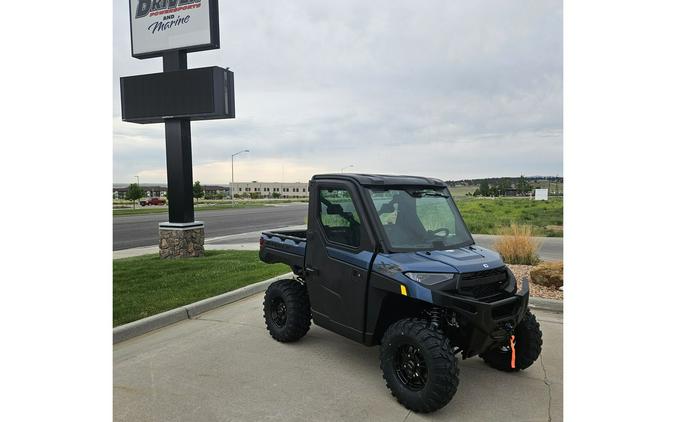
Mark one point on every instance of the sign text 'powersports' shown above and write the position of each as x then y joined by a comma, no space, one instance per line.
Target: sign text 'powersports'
161,7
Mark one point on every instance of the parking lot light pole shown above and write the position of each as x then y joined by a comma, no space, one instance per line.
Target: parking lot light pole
232,183
342,170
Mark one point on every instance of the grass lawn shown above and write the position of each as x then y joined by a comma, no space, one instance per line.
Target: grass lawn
147,285
487,216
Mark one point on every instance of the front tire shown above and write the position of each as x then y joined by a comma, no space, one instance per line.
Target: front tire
528,347
286,310
417,365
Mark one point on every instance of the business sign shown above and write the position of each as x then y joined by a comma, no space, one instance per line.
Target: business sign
159,26
541,194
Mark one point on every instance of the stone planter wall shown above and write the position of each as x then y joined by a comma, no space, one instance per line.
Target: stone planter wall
181,243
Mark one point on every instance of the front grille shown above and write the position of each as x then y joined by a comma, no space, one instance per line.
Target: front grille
486,286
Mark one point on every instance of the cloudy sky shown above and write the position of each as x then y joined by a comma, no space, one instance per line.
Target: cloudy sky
449,89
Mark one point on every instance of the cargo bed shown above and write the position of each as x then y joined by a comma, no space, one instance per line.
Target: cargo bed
285,247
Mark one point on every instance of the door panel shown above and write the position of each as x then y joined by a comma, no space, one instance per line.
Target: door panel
339,251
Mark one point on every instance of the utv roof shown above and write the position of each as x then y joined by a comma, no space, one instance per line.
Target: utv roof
381,179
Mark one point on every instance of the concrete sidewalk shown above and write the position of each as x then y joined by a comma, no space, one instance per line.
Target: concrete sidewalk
224,366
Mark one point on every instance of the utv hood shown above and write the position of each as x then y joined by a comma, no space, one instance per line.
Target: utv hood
461,260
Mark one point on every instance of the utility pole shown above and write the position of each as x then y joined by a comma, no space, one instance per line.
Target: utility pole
232,183
138,182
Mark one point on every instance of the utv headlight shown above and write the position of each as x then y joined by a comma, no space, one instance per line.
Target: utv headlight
430,279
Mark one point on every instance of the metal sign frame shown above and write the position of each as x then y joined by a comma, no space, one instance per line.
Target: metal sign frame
214,31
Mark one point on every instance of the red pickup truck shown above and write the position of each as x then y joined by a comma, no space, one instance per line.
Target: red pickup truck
152,201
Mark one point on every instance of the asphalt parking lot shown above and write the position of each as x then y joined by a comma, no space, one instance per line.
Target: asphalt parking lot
223,366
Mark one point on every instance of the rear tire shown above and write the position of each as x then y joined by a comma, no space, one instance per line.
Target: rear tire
528,347
286,310
417,365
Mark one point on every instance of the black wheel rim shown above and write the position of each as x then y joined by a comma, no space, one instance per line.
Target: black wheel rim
279,312
410,367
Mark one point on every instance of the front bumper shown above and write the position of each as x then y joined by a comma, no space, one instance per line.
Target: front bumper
490,323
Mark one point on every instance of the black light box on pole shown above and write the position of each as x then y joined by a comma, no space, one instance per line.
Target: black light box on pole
198,94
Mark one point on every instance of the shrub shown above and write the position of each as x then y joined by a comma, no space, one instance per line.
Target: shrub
517,246
549,274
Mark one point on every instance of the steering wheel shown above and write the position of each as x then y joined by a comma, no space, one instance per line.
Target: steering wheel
437,231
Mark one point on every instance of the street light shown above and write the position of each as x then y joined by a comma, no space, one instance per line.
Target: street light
232,183
342,170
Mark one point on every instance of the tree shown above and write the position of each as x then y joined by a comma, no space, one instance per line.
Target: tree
197,190
276,195
134,193
522,185
503,185
484,188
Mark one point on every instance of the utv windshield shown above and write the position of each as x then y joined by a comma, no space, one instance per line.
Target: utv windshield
420,218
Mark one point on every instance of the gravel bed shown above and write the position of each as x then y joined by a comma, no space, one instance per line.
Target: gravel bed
519,271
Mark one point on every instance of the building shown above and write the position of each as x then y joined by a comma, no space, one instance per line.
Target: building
271,189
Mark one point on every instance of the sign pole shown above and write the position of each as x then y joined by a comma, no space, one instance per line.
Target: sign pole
178,154
176,96
179,170
174,60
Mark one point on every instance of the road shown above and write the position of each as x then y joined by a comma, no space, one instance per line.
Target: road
142,230
246,223
223,366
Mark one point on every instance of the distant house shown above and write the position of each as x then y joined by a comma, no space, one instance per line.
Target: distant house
213,190
150,191
120,193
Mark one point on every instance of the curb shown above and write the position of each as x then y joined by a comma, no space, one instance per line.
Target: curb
546,304
154,322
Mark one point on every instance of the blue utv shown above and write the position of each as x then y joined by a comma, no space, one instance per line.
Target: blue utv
388,260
